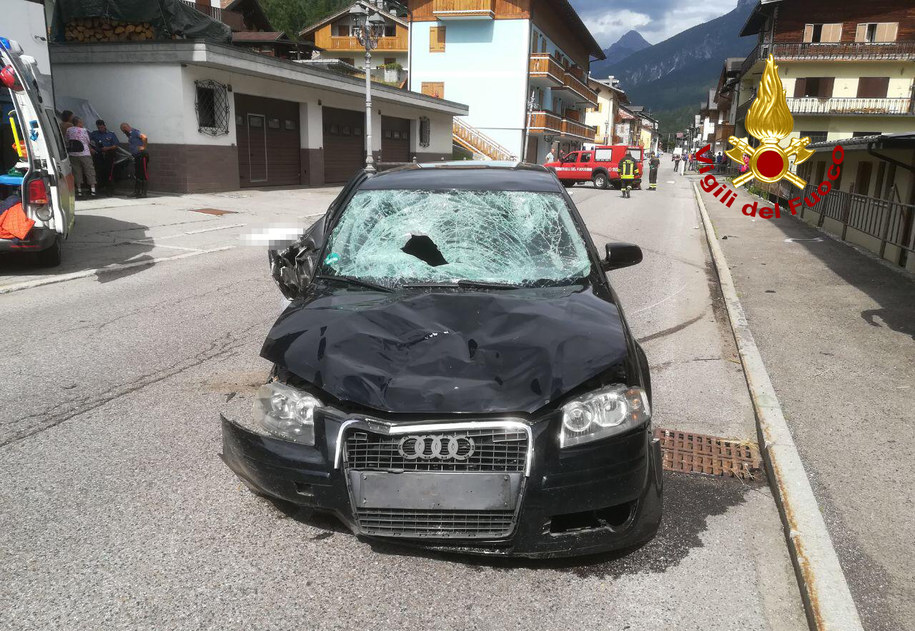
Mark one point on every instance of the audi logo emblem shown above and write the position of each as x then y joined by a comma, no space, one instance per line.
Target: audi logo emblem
441,447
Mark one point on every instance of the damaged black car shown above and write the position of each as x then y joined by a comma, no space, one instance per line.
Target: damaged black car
454,371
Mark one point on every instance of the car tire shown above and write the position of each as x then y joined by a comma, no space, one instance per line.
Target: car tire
51,256
568,183
600,180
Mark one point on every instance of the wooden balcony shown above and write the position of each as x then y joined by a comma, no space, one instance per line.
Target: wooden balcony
578,88
463,9
544,67
548,123
578,130
723,132
828,51
351,44
545,123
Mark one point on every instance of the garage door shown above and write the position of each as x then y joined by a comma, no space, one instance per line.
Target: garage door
268,141
344,143
395,139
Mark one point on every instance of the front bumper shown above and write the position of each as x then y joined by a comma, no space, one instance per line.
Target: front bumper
585,500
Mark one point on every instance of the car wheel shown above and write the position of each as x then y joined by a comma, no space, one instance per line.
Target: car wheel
51,257
600,180
568,183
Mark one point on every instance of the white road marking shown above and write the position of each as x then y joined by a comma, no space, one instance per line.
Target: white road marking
817,239
51,280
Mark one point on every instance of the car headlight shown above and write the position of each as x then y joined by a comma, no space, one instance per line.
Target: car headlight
286,412
605,412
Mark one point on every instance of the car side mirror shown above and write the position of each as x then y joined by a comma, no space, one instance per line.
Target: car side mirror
621,255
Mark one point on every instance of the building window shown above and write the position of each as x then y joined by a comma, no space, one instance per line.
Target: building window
823,33
873,87
815,136
437,39
212,105
390,30
875,32
341,30
390,61
542,44
434,88
425,131
819,87
535,43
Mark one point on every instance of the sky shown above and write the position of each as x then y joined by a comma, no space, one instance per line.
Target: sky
656,20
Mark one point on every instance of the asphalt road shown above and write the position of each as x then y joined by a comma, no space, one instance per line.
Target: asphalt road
116,512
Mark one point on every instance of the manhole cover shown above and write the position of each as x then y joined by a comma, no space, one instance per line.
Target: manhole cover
213,211
697,453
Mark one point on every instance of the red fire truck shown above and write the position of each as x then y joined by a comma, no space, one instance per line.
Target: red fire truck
598,165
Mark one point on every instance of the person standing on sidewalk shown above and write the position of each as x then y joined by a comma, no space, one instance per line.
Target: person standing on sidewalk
137,144
105,144
79,148
653,163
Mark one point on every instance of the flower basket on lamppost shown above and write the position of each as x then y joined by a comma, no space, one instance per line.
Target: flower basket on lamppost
369,28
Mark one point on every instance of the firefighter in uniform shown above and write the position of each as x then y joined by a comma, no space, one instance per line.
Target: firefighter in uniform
653,163
627,174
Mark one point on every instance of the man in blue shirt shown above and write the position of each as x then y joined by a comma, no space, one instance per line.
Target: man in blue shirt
105,144
136,144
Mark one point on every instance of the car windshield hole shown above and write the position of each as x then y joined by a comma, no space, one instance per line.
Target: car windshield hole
424,248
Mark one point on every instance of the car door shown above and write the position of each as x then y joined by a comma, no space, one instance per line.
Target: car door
48,158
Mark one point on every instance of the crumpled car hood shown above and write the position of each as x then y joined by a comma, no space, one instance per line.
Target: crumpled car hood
449,352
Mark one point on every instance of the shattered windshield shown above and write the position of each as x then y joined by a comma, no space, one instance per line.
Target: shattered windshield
396,237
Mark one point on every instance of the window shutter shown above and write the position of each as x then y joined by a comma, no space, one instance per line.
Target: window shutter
861,33
800,85
873,87
437,39
808,33
892,29
832,32
826,87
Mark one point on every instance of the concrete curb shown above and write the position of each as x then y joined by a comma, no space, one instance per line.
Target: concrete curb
62,278
827,598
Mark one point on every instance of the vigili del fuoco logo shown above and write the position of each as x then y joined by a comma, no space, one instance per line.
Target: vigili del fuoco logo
769,121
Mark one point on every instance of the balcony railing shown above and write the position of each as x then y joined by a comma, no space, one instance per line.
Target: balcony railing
352,44
549,123
463,9
542,66
574,84
580,130
851,106
545,122
849,51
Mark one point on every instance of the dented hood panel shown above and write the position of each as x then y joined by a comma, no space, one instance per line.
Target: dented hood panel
448,351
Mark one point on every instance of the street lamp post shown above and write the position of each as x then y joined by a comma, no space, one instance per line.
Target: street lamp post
370,28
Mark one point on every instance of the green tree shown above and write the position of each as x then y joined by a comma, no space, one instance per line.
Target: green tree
292,16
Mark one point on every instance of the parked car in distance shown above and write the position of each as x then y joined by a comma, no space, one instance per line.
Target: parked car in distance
42,178
599,165
454,371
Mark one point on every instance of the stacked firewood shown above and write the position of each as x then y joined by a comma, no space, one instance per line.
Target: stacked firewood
89,30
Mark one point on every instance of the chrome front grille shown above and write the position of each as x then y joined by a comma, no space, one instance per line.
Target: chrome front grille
461,480
497,450
436,523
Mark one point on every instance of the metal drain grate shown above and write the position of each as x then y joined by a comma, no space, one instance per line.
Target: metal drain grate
697,453
213,211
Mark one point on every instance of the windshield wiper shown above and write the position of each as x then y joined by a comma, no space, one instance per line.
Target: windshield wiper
462,284
352,280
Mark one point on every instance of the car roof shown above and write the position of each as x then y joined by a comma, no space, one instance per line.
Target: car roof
470,175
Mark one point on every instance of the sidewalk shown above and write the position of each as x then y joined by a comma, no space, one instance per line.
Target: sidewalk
836,329
115,231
